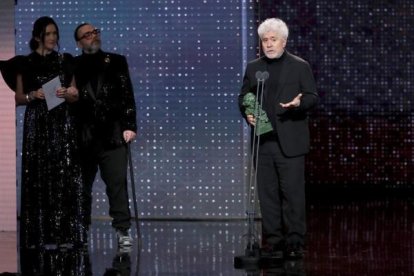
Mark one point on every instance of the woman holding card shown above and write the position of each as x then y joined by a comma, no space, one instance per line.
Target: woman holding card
52,205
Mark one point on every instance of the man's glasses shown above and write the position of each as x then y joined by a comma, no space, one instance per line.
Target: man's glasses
89,35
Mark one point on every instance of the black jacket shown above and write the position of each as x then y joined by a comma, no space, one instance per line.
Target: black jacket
295,76
106,106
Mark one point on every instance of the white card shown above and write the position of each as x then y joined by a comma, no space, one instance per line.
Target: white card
50,88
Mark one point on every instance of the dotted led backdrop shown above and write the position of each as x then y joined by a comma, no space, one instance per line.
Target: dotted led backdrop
187,60
362,58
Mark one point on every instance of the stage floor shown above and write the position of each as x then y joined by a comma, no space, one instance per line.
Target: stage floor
359,237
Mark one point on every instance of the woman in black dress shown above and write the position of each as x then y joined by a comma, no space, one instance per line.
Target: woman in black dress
52,204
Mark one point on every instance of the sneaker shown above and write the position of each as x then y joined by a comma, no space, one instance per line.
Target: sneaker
124,250
124,237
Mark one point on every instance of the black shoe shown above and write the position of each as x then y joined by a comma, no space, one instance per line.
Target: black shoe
294,252
272,251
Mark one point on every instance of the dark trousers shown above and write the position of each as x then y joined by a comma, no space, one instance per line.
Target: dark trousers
281,191
113,167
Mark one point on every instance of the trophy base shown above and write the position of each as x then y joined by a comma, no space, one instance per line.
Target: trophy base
263,129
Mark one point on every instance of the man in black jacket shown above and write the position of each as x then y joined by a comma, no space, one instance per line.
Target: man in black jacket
288,94
107,119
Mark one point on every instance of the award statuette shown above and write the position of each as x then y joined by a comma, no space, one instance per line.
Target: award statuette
262,121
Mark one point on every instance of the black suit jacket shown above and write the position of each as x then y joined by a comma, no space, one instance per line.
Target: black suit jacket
291,126
106,106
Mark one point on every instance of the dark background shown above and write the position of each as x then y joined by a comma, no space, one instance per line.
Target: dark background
361,54
187,60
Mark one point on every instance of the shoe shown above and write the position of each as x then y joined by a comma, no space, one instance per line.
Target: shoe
124,250
294,252
272,251
124,238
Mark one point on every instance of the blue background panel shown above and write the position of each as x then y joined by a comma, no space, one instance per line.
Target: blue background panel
186,64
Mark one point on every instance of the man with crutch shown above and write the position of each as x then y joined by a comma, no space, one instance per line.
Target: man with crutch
107,119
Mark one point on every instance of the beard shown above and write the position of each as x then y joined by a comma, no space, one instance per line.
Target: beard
93,48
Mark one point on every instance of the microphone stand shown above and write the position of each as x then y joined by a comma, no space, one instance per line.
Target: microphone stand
251,257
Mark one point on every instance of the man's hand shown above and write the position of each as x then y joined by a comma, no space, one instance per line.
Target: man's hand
129,135
251,120
71,94
72,91
294,103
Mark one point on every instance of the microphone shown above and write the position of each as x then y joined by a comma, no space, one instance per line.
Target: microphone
259,75
265,75
262,76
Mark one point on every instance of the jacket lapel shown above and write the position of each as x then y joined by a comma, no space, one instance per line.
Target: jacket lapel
101,76
100,82
90,91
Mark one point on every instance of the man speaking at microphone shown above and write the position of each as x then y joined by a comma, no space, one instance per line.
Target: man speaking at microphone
289,92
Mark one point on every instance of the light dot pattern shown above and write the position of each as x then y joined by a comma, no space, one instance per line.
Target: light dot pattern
186,60
360,53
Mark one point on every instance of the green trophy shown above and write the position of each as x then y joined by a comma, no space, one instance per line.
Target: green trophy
262,121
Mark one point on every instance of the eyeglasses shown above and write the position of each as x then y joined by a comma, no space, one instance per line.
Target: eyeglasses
89,35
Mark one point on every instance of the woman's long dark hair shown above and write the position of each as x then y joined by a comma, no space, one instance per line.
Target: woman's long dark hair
39,31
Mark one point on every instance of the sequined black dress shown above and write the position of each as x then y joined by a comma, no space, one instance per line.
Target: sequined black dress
52,192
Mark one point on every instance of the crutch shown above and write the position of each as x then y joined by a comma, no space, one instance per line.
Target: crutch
134,197
135,202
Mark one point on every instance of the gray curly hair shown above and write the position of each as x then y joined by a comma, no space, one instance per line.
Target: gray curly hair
273,25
